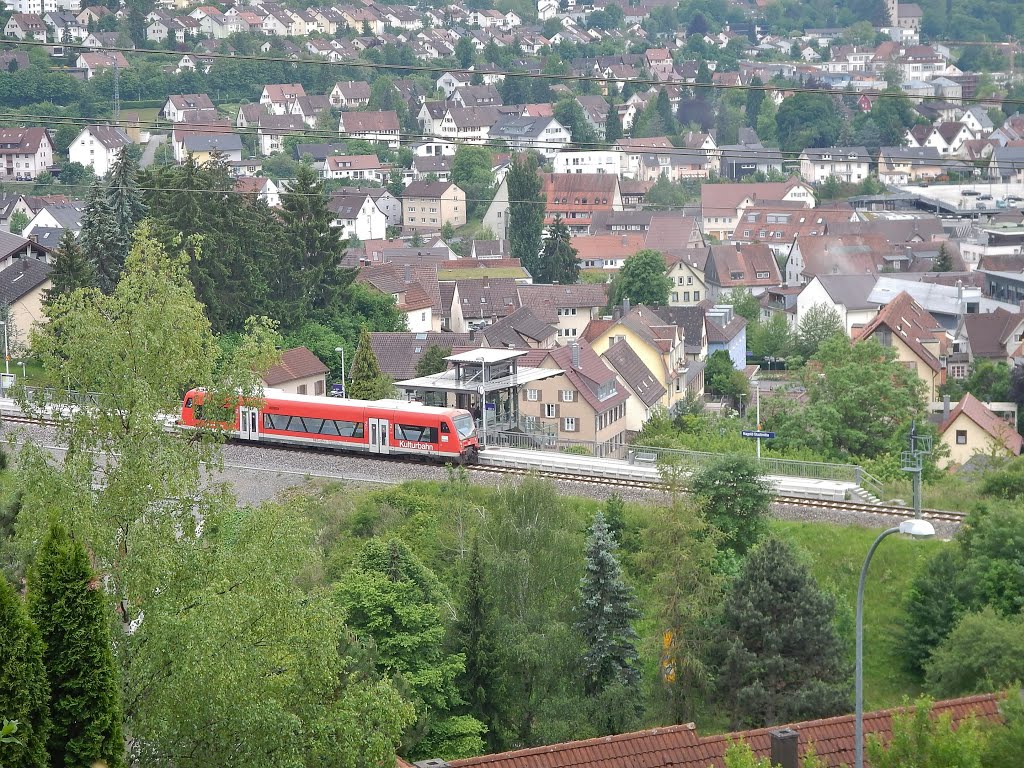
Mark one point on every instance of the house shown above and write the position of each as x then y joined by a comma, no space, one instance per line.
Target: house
723,204
846,164
415,291
917,338
97,147
271,131
644,389
96,63
812,255
309,108
738,161
846,294
276,98
575,197
467,123
26,26
176,107
398,354
389,205
658,343
23,286
972,429
350,94
496,215
726,331
585,403
55,216
15,249
728,267
476,96
207,144
569,308
357,216
687,274
542,134
903,165
263,188
299,372
372,126
432,204
995,336
519,330
360,167
485,300
437,166
25,152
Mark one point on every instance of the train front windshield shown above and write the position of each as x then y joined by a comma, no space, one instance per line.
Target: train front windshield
464,426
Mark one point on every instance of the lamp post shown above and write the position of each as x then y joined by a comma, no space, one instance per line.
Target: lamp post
919,529
341,351
22,364
7,351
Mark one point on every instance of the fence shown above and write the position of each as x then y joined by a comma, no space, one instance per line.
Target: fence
49,395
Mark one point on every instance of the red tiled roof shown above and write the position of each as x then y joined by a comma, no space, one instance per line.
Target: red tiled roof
976,411
680,746
298,363
910,323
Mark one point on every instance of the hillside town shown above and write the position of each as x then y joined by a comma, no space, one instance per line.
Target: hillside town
517,382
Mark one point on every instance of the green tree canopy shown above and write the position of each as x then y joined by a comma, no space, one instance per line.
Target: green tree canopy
67,604
433,360
471,171
525,210
924,740
807,119
71,269
643,279
783,658
984,651
736,500
366,380
819,324
558,260
24,693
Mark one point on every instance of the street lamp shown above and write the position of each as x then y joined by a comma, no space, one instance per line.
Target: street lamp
7,351
341,351
918,529
22,364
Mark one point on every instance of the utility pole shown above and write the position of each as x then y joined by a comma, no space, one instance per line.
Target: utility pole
117,90
913,461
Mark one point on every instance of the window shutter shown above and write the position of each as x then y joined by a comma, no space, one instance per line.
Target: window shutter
558,410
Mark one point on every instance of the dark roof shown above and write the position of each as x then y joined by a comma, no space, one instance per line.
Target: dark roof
399,353
488,297
224,142
851,291
11,244
110,136
298,363
911,323
517,330
319,152
632,370
546,300
988,332
48,237
21,278
680,746
428,189
690,319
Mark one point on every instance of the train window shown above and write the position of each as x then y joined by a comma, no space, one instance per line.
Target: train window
415,433
329,428
444,428
275,421
188,402
350,428
314,426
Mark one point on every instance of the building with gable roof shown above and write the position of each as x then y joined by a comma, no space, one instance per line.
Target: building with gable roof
97,147
846,294
728,267
24,152
276,97
432,204
372,126
972,429
645,391
350,94
723,204
574,197
357,215
846,164
569,308
299,372
919,341
399,353
23,286
177,105
521,329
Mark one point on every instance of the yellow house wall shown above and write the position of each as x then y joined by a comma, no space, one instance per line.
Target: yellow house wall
25,313
931,379
654,360
978,441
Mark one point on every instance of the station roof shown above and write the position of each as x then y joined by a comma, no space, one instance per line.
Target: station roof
489,355
448,381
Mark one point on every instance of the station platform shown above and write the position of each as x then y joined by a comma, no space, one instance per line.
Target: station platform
616,469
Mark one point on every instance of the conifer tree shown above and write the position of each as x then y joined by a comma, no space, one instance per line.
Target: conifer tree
68,607
664,107
525,211
71,269
99,238
473,638
125,200
368,383
943,262
783,659
612,125
24,695
606,609
558,262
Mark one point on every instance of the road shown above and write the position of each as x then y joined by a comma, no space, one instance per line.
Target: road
149,153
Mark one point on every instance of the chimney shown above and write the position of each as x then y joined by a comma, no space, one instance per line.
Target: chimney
487,282
472,334
945,407
575,355
408,273
625,306
784,743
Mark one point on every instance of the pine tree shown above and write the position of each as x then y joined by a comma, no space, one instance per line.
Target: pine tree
125,200
67,606
612,125
525,211
473,633
99,238
606,610
664,107
558,262
71,269
24,695
784,660
943,262
367,381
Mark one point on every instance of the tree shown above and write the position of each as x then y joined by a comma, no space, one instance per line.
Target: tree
923,740
126,209
943,262
755,95
66,602
819,324
471,171
525,210
314,277
433,360
558,261
893,113
744,303
783,658
99,237
366,380
465,52
767,130
985,651
807,119
393,600
474,638
612,125
722,378
24,694
605,612
736,500
19,220
643,279
771,339
71,269
569,114
664,107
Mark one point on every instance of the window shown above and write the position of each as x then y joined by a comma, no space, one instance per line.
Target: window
686,295
550,411
675,296
696,295
286,423
569,424
961,437
762,275
689,280
568,396
301,389
318,387
415,433
533,395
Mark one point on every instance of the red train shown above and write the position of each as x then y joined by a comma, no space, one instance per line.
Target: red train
370,426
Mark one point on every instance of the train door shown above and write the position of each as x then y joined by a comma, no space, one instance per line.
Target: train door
249,423
379,436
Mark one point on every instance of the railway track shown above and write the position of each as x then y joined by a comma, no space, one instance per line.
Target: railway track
938,515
